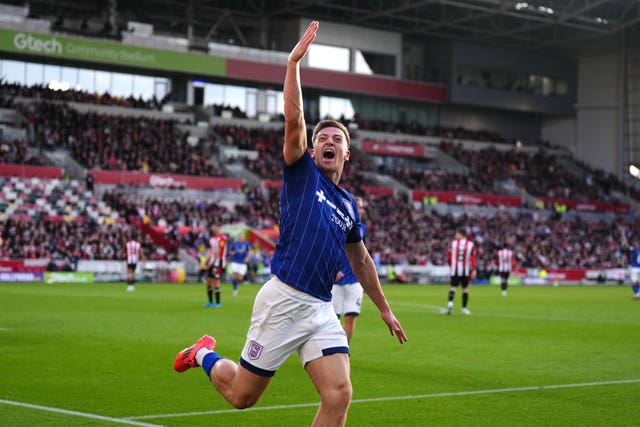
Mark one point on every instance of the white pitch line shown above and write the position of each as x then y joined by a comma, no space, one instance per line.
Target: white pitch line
77,414
5,329
519,316
391,398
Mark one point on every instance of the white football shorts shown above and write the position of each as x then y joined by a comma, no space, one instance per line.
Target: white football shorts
634,274
238,268
285,320
347,299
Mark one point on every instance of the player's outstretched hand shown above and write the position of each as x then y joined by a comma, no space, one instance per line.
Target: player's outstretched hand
301,48
394,326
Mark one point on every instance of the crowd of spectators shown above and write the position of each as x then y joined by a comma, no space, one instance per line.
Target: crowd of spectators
218,109
45,93
17,151
186,223
59,220
419,178
66,241
608,181
267,142
398,231
538,174
60,239
120,142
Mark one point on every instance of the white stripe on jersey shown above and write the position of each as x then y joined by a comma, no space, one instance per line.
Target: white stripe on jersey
218,254
133,251
461,251
505,260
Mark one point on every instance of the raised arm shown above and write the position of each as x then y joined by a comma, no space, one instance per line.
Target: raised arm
365,271
295,130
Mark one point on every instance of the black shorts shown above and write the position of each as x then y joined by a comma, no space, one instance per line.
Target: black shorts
215,271
132,266
460,281
505,274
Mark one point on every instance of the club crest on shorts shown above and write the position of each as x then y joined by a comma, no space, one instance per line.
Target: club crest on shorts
255,350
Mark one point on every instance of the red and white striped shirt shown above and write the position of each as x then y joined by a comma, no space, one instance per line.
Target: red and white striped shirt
132,248
462,257
506,260
218,250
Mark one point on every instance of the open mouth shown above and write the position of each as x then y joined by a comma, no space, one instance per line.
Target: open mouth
328,154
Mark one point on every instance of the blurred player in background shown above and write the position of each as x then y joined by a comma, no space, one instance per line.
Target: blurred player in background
132,254
255,260
203,269
506,262
292,312
634,270
239,253
216,262
462,263
634,264
347,291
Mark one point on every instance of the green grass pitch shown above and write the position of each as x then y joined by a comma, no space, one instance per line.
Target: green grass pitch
96,355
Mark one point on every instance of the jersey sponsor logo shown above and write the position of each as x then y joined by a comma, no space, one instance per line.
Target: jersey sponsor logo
255,350
337,216
321,196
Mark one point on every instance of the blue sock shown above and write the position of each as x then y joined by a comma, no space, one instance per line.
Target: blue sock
234,282
209,360
635,288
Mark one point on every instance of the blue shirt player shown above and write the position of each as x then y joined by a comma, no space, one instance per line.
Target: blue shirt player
634,270
347,291
292,312
239,252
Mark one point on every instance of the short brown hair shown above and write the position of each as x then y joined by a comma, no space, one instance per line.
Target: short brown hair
330,124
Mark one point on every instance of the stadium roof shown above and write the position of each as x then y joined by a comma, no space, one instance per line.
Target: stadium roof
567,26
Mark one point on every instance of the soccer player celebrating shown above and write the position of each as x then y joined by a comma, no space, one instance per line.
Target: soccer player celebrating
292,311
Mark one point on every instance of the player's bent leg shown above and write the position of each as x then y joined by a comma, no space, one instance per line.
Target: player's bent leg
239,386
330,375
349,325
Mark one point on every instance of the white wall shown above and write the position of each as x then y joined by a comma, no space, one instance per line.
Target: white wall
598,139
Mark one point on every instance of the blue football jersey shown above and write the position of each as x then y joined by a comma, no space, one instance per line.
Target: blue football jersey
316,219
349,276
240,251
634,257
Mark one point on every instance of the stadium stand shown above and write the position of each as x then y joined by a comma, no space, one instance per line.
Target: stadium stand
399,232
552,200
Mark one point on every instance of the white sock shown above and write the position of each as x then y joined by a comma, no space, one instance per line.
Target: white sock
450,304
201,354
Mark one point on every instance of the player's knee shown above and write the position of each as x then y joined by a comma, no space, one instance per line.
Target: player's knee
338,396
243,401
